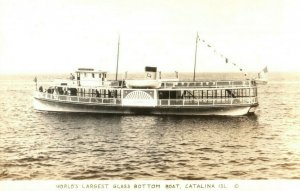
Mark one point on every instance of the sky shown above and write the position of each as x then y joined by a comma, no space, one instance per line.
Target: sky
57,36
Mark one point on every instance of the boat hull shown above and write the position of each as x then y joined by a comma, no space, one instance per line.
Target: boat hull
225,110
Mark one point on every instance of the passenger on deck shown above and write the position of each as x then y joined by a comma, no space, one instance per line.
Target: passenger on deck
230,93
55,92
41,89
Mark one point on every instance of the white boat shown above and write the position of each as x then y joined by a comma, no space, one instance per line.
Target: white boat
90,91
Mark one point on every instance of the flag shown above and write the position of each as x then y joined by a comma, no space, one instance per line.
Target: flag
265,70
263,75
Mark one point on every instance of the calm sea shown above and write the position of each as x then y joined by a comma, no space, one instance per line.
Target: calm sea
41,145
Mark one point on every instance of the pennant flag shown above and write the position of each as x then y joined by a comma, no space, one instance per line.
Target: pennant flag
263,75
265,70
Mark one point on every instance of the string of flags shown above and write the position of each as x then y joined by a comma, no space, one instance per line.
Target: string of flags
227,61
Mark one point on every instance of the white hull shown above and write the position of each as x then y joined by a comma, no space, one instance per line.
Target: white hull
57,106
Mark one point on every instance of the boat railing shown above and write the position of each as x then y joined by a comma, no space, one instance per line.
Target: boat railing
198,102
160,102
79,99
207,84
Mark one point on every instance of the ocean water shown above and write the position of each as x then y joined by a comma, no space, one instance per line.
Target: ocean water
42,145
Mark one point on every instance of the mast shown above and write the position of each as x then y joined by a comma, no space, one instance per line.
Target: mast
118,58
197,37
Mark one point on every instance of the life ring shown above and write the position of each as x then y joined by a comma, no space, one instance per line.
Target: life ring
148,75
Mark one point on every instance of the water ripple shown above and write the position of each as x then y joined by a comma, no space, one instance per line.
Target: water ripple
49,145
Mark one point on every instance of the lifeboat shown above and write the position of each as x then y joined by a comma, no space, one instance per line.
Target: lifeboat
143,84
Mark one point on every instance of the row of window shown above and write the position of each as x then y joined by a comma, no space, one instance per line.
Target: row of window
162,94
201,94
102,93
101,75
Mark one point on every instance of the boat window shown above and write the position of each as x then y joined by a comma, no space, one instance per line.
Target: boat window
60,90
50,90
238,83
163,95
208,94
252,93
72,91
223,83
169,84
175,94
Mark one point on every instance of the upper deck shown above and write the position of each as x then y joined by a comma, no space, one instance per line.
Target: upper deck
90,78
207,84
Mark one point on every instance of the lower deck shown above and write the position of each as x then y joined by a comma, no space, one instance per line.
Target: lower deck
146,102
140,98
79,107
180,99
